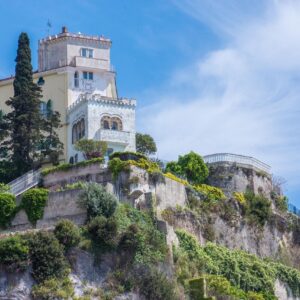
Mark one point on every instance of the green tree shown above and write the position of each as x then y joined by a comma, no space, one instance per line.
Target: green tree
51,145
145,144
190,166
90,148
25,129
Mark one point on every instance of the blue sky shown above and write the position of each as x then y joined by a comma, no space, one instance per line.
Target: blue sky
209,76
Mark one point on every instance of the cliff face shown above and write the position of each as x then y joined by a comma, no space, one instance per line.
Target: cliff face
225,224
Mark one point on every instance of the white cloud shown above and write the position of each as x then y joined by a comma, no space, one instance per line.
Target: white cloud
244,98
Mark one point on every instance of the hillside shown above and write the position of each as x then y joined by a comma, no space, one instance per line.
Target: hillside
130,231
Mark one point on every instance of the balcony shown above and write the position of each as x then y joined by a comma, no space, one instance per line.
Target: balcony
92,63
114,136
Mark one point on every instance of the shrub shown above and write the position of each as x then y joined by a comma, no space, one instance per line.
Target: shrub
7,208
67,233
240,198
4,188
14,253
67,166
191,166
103,231
281,203
212,193
258,208
72,186
154,285
175,178
91,148
47,257
97,201
127,155
34,202
53,289
145,144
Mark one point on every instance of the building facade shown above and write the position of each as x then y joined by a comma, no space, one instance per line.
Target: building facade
76,75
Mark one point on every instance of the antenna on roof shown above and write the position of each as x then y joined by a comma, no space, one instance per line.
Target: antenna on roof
49,26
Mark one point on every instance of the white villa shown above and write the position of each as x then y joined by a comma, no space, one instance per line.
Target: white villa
76,75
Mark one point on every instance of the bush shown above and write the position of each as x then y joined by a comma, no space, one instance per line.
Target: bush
91,148
97,201
154,285
281,203
67,166
190,166
34,202
103,231
4,188
7,208
212,193
258,208
53,289
14,253
67,233
47,257
145,144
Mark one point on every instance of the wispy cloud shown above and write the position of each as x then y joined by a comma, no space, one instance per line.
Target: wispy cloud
243,98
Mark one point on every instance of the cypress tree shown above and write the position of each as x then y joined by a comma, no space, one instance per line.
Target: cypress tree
25,117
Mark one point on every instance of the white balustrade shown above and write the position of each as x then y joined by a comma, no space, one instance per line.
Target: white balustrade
234,158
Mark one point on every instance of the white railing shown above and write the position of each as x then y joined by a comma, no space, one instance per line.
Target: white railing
25,182
234,158
114,136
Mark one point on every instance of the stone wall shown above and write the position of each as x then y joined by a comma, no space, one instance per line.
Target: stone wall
60,205
233,177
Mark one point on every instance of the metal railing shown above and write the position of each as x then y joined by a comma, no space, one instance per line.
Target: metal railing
25,182
235,158
293,209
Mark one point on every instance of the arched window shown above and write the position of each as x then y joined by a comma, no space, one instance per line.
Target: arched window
76,158
105,122
78,131
76,79
71,161
116,124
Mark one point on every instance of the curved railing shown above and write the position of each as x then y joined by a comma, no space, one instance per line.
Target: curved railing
235,158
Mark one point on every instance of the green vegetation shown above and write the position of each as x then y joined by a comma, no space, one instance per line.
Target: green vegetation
190,166
66,167
257,208
91,148
72,186
103,231
47,257
67,234
116,165
53,289
14,253
210,192
154,285
242,270
24,129
4,188
281,203
145,144
34,202
128,155
7,208
97,201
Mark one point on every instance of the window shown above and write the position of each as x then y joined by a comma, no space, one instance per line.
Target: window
71,161
86,52
78,131
105,124
43,108
88,75
109,151
76,79
114,125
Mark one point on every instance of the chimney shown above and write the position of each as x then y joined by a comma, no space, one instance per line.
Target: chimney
64,29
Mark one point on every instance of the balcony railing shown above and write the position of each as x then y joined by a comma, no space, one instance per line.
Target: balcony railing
234,158
93,63
114,136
